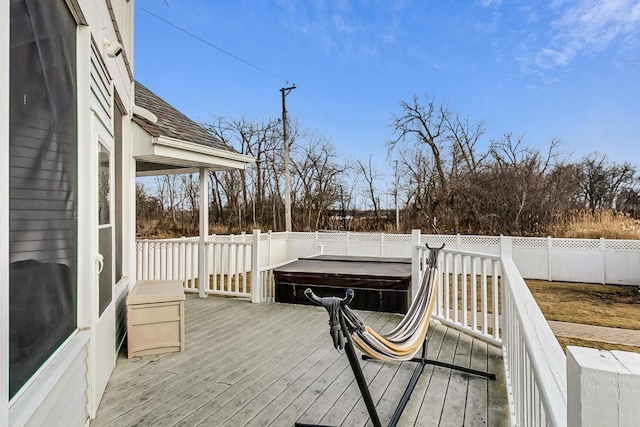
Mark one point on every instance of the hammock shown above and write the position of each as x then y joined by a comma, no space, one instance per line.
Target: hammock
405,340
400,344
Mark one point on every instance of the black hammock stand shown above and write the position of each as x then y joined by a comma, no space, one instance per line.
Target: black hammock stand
342,337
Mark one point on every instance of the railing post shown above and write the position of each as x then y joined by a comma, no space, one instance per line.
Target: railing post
602,387
604,260
549,246
506,246
256,283
415,263
269,247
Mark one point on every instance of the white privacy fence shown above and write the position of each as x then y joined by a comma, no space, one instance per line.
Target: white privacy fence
544,258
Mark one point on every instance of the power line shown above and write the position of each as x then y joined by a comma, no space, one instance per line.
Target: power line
244,61
236,57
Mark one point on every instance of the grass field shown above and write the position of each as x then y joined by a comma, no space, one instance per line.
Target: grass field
591,304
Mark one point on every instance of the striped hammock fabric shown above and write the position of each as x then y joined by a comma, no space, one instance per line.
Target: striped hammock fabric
406,339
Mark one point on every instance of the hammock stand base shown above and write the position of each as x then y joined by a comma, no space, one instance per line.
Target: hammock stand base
364,388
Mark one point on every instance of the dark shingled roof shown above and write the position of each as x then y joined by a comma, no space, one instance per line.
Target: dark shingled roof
171,122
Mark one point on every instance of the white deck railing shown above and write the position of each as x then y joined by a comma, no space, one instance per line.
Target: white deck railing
481,294
485,296
228,264
267,282
535,364
469,293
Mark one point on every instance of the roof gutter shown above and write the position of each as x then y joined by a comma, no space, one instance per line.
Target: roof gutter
167,141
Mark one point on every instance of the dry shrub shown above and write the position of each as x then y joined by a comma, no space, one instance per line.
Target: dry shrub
585,224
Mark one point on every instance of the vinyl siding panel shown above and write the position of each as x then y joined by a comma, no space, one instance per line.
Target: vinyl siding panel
66,404
101,88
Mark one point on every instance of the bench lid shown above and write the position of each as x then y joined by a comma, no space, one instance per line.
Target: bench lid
152,291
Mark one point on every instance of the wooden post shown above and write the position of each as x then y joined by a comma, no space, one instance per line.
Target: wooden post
603,387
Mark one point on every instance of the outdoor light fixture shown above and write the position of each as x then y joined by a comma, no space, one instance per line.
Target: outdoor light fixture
111,49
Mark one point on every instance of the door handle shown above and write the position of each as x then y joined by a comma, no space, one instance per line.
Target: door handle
100,261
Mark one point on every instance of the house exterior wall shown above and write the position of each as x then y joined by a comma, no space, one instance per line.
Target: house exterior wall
66,389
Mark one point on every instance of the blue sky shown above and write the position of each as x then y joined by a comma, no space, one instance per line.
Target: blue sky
566,69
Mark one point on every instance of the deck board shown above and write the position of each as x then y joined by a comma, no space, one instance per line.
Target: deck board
274,364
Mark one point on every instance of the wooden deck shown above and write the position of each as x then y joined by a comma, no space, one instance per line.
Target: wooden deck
274,364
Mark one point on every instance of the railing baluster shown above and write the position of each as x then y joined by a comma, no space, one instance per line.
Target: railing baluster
215,250
456,262
447,275
465,258
495,281
483,296
474,293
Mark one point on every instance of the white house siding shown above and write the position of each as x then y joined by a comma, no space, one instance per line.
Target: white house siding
66,404
101,88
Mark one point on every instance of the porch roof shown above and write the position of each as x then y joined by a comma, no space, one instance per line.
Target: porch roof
167,141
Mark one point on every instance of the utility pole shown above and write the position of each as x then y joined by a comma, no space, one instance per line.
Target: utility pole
287,179
396,195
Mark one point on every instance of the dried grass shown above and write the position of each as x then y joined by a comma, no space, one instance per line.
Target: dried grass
585,224
564,342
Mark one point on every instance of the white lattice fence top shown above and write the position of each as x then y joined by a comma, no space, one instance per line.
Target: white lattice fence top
579,244
479,241
302,236
622,245
220,238
331,237
529,242
434,239
404,239
364,238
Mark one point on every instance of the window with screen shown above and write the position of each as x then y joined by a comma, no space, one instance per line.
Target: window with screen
43,184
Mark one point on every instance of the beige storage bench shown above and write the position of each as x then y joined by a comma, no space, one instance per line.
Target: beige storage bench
155,317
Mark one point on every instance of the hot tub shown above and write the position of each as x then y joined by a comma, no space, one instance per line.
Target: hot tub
380,284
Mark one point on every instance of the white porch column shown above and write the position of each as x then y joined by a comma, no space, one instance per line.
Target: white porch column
256,284
603,387
203,270
415,263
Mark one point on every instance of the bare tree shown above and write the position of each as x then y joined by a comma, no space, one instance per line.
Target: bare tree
316,176
602,181
372,177
445,159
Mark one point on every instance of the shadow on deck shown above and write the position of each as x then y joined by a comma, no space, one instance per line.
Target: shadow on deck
274,364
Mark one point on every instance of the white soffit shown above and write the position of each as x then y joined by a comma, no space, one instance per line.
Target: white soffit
175,152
